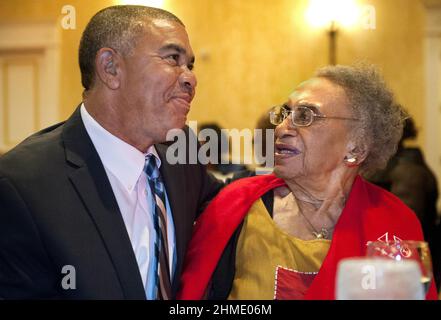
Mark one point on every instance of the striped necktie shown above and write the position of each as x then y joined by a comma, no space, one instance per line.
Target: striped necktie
161,254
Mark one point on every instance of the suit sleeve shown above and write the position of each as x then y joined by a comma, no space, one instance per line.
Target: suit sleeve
209,185
210,188
24,263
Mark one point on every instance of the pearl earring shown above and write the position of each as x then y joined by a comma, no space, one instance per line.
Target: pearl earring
351,160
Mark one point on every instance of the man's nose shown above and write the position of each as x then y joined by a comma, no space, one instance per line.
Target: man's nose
187,79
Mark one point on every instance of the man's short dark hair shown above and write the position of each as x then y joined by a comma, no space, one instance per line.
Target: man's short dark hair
116,27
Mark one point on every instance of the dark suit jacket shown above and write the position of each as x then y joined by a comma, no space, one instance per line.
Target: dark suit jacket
57,208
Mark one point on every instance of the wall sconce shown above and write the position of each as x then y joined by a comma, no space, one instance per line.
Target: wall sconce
332,15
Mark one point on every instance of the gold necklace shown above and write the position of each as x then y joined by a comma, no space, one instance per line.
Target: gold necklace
322,234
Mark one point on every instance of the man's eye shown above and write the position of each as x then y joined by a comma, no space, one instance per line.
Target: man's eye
173,58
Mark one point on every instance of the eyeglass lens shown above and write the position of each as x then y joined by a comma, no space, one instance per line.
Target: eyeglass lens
301,116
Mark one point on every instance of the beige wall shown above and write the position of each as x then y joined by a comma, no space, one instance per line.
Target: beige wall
256,52
50,10
252,53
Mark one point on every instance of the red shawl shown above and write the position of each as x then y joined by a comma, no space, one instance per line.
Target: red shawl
370,213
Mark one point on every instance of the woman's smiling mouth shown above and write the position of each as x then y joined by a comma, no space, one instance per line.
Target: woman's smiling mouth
285,151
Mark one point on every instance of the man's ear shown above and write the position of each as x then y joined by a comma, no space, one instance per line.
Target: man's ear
356,154
108,67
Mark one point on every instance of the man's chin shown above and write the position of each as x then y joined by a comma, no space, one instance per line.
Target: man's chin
173,130
179,125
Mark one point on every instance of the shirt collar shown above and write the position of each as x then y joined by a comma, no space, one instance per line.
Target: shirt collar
123,160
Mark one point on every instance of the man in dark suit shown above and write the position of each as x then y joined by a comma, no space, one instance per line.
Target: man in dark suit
76,199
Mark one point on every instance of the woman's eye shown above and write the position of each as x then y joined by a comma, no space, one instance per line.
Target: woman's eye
304,114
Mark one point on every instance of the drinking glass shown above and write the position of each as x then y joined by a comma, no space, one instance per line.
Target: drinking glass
365,278
417,251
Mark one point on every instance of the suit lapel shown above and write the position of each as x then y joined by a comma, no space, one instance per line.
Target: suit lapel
174,179
92,185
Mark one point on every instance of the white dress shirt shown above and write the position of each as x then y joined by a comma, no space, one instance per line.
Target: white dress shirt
124,166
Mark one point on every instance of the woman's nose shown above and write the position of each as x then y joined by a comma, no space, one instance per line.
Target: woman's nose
286,128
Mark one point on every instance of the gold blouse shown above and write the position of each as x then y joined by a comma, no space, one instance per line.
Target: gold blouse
272,264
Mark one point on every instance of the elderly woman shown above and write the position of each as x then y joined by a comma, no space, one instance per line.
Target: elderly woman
281,236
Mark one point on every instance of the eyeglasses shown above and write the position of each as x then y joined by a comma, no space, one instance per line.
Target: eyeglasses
301,116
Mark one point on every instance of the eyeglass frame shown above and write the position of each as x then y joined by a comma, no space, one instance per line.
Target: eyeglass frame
288,111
